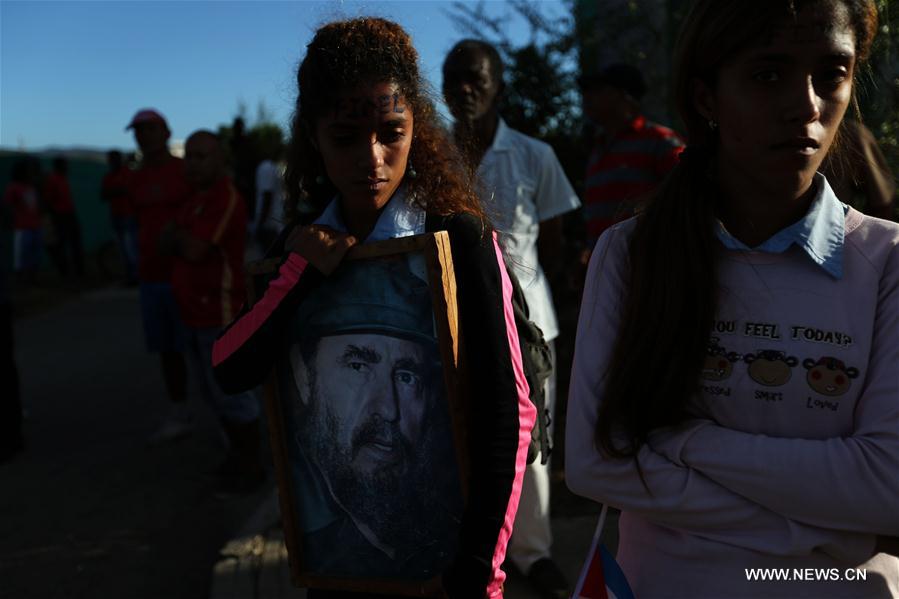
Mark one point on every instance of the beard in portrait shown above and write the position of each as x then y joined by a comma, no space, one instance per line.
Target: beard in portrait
372,420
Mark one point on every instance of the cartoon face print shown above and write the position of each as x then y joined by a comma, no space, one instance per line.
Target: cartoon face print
829,376
718,362
770,367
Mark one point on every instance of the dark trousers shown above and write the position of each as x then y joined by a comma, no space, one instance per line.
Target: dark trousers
10,402
125,228
68,243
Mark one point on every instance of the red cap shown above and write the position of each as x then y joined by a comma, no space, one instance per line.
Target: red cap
145,116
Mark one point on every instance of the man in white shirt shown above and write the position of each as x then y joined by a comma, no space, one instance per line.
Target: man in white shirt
525,192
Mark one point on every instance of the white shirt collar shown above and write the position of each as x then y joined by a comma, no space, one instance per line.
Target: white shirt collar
501,139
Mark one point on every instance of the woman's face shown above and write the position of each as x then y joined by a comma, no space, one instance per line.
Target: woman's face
778,105
364,140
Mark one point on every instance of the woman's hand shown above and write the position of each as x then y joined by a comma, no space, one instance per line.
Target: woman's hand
322,247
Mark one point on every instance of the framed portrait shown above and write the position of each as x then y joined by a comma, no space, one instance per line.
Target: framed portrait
367,423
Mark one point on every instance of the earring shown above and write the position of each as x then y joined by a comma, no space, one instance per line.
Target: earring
713,124
410,171
320,180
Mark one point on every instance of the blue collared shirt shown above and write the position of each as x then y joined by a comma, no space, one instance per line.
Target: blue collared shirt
399,218
819,233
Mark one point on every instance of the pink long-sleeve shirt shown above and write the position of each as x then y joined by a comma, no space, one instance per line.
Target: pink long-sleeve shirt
792,462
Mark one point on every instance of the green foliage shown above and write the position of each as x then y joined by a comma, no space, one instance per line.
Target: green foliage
540,99
878,87
878,91
265,138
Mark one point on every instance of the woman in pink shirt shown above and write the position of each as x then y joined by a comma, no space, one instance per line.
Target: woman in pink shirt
733,390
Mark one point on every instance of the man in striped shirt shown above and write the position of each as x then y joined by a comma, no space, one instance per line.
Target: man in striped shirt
631,154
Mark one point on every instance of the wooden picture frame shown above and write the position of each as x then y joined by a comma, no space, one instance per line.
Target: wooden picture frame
380,513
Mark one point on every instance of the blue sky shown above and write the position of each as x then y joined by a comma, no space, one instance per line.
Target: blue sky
73,73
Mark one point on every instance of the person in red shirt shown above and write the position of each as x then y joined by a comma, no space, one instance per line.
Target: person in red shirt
58,198
208,242
22,198
115,190
158,190
631,154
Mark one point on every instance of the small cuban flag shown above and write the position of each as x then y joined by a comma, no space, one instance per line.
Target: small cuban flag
601,577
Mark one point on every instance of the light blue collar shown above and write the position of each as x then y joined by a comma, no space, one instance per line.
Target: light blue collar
399,218
819,233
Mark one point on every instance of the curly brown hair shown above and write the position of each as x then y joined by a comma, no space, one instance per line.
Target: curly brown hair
369,50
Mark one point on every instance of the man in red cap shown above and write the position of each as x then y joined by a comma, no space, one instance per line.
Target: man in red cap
159,188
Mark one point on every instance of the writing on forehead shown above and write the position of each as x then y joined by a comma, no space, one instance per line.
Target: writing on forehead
361,107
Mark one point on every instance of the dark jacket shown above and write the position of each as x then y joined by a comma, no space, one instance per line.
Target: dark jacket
501,414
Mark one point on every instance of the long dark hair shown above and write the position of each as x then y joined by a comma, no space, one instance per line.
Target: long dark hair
670,302
348,53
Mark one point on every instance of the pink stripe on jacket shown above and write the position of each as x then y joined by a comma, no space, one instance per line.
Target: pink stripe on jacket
527,416
246,326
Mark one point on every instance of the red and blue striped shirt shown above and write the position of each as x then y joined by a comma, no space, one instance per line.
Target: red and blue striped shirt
624,168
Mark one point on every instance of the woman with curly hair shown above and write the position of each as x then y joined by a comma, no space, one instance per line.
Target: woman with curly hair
734,389
370,158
